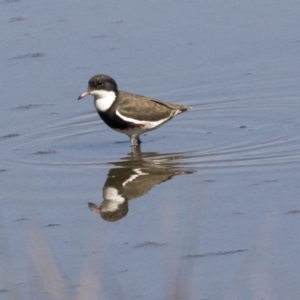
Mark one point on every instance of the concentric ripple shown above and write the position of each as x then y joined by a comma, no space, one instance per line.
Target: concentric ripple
215,134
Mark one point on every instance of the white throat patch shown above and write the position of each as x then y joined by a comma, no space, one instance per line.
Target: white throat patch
114,199
103,100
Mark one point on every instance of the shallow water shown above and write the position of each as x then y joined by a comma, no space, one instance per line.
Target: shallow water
207,208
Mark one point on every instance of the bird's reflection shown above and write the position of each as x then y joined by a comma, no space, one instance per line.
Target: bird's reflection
132,177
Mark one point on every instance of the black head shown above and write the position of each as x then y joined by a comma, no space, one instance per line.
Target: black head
98,83
102,82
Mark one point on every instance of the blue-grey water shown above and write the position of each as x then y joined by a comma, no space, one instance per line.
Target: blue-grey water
211,206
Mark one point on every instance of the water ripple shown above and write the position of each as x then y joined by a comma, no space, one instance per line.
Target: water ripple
216,134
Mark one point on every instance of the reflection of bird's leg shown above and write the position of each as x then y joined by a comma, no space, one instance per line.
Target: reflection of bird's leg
138,140
136,151
133,140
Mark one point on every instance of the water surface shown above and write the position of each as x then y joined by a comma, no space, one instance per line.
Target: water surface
207,208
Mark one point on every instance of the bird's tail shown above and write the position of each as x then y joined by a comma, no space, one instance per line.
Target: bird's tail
186,108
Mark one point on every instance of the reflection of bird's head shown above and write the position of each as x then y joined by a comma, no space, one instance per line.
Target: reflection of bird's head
110,216
113,215
114,206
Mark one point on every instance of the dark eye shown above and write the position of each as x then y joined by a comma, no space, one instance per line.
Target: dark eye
99,82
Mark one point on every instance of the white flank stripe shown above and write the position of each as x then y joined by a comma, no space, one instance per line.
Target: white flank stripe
147,124
103,100
134,176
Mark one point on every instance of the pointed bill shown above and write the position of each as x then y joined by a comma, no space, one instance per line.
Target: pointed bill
86,93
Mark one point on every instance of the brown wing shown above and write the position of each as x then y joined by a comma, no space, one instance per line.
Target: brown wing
146,109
